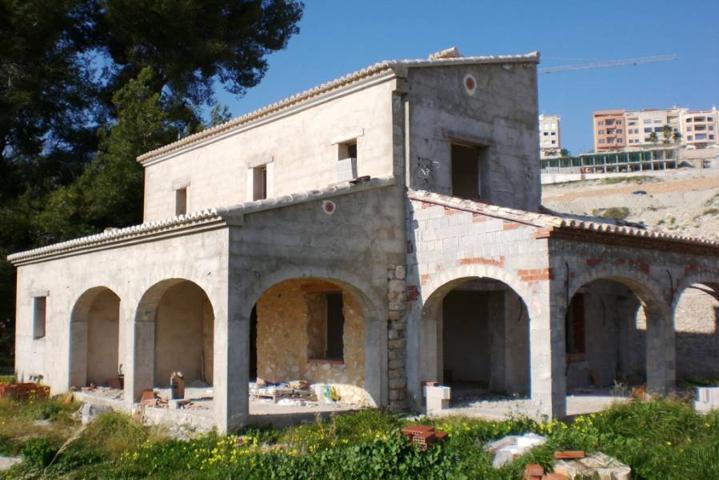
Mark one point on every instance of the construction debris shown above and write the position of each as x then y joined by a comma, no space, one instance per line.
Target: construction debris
533,471
177,386
569,455
423,435
596,466
707,399
507,449
22,391
298,390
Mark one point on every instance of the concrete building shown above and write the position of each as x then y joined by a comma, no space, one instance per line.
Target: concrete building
651,128
699,128
609,130
373,233
550,138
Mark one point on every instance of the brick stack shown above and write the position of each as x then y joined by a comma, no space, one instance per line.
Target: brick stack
22,391
423,435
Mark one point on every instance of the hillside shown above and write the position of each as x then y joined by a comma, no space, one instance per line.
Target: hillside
685,202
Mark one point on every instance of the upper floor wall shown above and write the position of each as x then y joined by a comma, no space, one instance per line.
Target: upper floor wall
473,132
292,151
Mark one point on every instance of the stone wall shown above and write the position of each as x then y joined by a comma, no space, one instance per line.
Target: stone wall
283,338
696,320
396,336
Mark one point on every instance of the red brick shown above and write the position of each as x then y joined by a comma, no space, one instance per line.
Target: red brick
533,275
424,278
569,454
511,225
482,261
593,262
533,471
412,293
451,211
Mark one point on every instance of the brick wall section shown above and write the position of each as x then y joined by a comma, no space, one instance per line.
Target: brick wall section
444,238
396,336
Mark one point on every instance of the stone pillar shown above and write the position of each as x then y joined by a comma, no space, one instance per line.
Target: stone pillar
231,362
661,350
497,340
547,351
397,337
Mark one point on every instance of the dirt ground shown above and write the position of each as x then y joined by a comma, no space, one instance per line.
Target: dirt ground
686,203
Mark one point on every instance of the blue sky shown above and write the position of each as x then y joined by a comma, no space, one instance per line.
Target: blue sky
337,37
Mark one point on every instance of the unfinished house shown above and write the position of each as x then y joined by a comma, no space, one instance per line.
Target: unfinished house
366,236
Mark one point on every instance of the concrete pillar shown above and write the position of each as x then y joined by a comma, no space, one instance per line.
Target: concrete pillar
516,363
231,367
497,341
547,351
139,364
661,350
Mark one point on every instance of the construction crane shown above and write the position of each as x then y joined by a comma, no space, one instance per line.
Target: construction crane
610,63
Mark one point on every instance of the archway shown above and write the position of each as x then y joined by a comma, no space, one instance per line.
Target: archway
95,339
174,332
312,330
605,337
475,339
618,336
696,322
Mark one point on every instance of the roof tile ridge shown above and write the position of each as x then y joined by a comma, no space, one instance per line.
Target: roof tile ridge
110,233
271,107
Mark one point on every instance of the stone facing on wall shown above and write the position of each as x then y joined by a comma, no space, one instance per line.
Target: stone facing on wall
283,314
396,336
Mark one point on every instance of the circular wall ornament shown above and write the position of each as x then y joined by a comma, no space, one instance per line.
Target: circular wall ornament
470,84
329,207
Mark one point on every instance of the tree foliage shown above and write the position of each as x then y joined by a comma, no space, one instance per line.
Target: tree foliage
88,85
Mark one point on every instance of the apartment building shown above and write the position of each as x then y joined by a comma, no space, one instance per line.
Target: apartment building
699,128
616,130
609,130
550,138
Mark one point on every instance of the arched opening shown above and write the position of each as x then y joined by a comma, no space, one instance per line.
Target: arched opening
174,332
95,340
309,341
475,339
696,322
606,339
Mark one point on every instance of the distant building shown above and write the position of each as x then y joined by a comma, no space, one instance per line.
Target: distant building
550,138
609,130
699,128
618,130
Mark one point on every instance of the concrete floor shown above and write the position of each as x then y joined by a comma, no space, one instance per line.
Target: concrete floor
499,409
198,413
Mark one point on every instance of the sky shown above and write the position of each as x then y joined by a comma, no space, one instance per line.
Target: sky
338,37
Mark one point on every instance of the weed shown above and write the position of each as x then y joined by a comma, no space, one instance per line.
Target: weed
616,213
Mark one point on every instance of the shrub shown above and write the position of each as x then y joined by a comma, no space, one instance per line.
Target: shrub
39,452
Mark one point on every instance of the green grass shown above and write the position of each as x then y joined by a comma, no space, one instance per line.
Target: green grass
616,213
660,439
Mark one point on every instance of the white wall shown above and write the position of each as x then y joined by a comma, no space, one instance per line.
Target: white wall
298,145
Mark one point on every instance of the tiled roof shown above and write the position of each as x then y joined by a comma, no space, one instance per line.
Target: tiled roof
376,70
197,221
556,220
